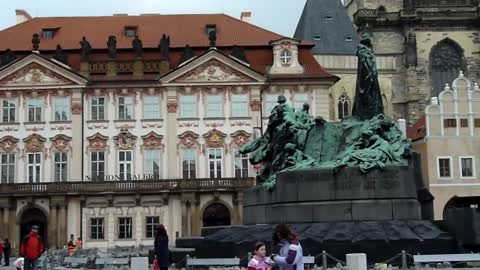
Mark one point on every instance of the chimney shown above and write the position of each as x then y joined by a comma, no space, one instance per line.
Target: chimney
246,16
22,16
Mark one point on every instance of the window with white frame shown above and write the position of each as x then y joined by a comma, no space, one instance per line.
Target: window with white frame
125,228
239,105
8,168
125,108
241,165
270,103
188,164
151,224
34,167
215,162
61,108
214,106
125,164
9,110
286,57
96,229
97,108
60,167
298,101
187,106
151,107
467,167
35,109
97,165
152,163
444,166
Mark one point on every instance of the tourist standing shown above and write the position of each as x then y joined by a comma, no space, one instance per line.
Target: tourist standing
7,248
259,261
1,251
71,246
31,249
78,244
291,253
161,247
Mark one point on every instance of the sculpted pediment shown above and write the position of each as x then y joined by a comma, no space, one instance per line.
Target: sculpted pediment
34,74
213,71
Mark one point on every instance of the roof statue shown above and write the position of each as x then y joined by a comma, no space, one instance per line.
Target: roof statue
86,48
112,46
367,139
60,55
35,42
137,46
187,54
165,46
212,36
8,57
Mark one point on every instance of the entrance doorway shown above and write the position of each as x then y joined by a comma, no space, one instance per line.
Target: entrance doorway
30,217
216,214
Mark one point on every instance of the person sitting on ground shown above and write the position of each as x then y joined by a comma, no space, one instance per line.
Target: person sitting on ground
291,253
259,261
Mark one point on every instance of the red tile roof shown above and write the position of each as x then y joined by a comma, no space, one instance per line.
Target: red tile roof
418,130
182,29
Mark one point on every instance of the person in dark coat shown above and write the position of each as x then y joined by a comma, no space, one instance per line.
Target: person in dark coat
161,247
7,248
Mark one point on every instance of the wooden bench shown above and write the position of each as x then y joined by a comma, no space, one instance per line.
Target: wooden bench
438,258
192,262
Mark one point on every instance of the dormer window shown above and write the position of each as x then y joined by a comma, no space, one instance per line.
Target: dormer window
348,38
317,38
209,28
328,18
286,57
130,31
48,33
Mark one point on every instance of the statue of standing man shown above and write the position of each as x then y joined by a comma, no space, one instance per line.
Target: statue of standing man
368,98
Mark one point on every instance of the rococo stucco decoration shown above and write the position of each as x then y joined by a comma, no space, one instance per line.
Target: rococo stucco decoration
97,141
240,138
152,140
125,140
34,74
213,71
34,143
8,143
60,142
214,138
188,139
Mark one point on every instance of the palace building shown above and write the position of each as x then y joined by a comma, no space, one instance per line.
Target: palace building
112,125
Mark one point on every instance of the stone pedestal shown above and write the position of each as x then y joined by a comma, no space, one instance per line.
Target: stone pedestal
320,195
357,261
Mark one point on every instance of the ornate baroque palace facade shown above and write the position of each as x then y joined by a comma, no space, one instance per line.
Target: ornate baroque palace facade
111,125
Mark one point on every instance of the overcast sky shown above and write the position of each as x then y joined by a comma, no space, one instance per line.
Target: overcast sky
280,16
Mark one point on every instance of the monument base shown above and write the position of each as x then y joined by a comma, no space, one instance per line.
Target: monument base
320,195
380,240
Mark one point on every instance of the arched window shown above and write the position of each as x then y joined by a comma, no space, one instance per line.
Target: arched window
446,60
381,9
343,106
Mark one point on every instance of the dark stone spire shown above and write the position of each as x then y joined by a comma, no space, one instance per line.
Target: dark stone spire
326,23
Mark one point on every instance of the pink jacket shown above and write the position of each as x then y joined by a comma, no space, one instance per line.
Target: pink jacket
258,263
